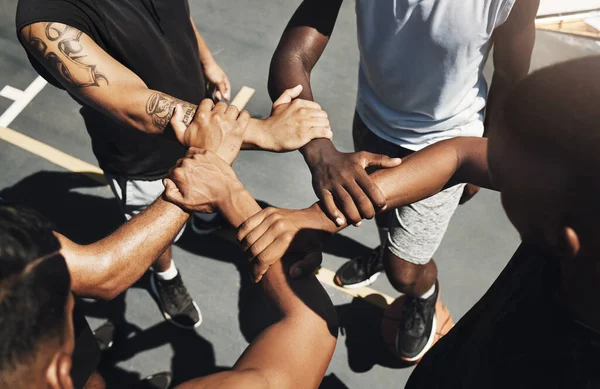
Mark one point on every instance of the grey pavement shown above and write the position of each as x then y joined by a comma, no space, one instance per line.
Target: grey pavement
243,36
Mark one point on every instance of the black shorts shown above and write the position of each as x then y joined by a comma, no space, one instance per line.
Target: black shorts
86,355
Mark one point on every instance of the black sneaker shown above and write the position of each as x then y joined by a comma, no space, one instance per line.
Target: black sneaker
156,381
361,271
105,335
175,302
417,326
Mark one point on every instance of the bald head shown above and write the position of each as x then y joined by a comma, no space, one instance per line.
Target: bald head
556,112
550,150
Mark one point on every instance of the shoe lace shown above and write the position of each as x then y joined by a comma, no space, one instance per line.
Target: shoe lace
178,294
368,262
413,309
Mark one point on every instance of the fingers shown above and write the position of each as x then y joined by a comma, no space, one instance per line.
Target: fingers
331,209
244,118
253,236
372,191
193,151
232,112
225,88
252,222
349,208
307,265
377,160
205,106
270,255
172,193
177,124
220,107
217,96
288,95
361,200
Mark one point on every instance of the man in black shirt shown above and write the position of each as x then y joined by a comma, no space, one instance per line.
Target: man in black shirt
538,326
130,63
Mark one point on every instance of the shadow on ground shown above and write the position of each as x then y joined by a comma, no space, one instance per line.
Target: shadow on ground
87,218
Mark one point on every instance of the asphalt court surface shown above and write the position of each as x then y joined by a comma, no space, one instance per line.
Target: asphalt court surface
478,244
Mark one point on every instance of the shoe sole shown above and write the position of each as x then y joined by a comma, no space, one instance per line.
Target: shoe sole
427,345
361,284
166,314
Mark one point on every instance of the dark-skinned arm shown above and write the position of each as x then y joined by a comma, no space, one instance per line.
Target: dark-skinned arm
513,46
267,236
339,179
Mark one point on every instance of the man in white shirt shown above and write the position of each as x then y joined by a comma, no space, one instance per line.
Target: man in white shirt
420,82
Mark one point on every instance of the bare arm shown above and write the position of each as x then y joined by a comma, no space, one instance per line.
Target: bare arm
339,179
513,46
213,72
294,352
267,236
97,79
108,267
302,44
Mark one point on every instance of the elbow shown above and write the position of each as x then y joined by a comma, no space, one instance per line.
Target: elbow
106,285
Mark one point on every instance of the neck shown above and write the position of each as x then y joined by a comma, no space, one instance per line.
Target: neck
580,289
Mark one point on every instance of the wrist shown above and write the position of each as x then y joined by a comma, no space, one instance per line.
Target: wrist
319,221
254,134
315,151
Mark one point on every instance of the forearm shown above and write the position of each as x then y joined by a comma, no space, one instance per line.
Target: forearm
308,318
499,89
150,111
423,174
205,55
108,267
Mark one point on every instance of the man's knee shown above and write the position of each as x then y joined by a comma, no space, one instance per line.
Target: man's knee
407,277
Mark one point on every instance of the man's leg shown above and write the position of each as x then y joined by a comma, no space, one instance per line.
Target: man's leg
363,270
415,233
166,283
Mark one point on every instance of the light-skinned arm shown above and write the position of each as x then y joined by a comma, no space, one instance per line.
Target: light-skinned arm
296,350
96,78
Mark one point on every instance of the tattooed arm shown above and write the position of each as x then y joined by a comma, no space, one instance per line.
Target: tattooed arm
96,78
93,76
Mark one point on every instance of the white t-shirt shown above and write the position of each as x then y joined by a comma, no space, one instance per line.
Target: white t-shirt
421,61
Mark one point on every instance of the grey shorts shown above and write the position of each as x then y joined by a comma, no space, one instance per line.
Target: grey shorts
415,230
135,195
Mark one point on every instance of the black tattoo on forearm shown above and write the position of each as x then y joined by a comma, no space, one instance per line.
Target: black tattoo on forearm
161,108
65,55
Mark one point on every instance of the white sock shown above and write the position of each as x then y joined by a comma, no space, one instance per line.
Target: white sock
429,293
168,274
383,235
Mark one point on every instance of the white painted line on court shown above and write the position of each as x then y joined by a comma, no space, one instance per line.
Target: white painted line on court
325,276
19,104
243,96
11,93
51,154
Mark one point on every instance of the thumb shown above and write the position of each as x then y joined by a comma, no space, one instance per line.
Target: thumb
378,160
307,265
172,192
178,125
288,95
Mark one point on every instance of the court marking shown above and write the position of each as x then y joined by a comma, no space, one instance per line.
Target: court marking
68,162
22,99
